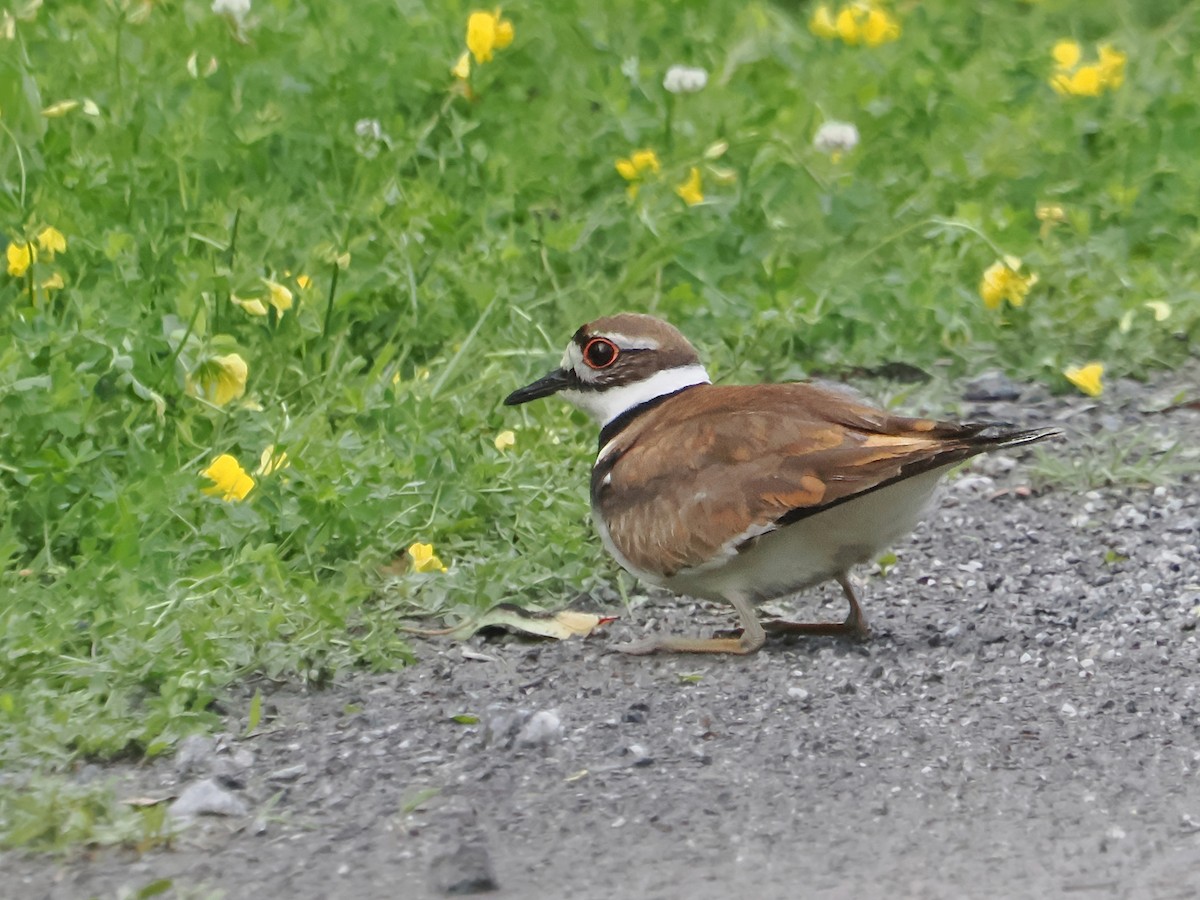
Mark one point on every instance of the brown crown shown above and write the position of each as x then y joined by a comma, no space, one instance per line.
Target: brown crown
636,363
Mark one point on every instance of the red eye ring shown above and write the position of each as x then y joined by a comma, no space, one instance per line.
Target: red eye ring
600,353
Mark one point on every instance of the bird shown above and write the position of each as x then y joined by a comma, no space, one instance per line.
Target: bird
745,493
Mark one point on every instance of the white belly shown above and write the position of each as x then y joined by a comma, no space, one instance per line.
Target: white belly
815,549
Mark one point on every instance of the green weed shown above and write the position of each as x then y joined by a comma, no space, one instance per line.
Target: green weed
1125,458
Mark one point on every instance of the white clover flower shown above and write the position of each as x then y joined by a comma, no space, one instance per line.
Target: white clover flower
369,128
685,79
836,138
371,138
238,9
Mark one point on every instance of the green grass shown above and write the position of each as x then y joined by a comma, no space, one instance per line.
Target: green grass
1124,458
451,257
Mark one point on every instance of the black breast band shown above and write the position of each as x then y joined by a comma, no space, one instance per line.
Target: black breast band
625,419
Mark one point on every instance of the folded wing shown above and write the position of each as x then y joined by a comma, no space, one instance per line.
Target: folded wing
744,461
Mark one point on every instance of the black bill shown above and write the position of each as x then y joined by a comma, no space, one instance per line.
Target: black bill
543,387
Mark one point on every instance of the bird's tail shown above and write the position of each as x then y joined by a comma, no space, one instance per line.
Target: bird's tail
1002,434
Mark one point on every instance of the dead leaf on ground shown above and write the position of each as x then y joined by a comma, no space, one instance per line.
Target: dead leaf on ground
558,626
145,802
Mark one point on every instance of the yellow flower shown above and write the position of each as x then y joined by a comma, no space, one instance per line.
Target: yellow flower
462,68
219,379
1002,281
254,306
424,559
639,161
635,166
1073,80
60,109
1083,82
50,241
20,257
278,296
1160,308
1087,378
230,481
271,462
1067,53
1050,215
847,25
504,440
858,22
303,282
486,33
690,191
53,283
821,24
880,28
1050,212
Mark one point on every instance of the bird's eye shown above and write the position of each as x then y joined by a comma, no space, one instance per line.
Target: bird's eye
600,353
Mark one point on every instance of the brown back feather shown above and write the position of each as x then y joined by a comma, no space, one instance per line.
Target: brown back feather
796,449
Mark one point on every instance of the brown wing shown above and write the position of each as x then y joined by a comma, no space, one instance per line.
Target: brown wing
718,463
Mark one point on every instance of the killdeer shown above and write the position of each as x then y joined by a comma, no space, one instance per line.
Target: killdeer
745,493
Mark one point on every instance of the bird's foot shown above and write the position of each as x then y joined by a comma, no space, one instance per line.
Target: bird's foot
740,646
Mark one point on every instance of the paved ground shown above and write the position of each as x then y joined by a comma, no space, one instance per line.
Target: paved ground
1024,723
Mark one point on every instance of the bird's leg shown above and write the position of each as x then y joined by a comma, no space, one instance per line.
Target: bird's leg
856,622
753,637
855,625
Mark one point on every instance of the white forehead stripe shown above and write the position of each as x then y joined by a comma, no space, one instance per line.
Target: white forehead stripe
633,343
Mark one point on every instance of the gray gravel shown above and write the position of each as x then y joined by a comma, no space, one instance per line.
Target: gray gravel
1025,722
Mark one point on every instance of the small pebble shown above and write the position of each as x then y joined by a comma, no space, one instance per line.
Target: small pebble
466,869
541,730
207,798
290,773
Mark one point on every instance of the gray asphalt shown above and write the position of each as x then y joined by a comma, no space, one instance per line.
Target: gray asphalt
1025,722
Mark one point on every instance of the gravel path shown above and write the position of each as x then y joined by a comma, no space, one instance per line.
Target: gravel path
1025,722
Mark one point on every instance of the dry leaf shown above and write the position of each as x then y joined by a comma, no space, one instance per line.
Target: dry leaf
400,564
144,802
559,626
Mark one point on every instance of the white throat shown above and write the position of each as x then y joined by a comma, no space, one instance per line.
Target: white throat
605,405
